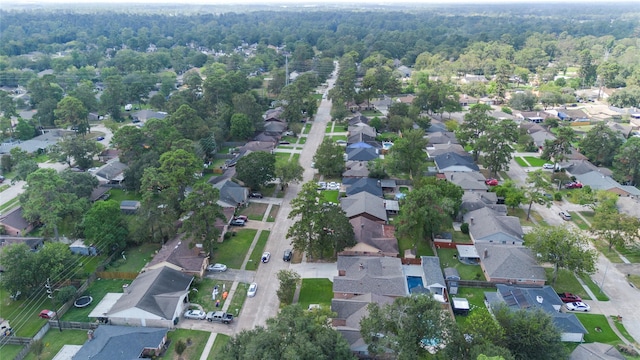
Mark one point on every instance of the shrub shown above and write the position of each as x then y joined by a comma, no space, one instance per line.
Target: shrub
464,228
557,196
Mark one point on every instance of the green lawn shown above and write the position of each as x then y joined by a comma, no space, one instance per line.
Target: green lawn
595,289
316,291
632,253
198,341
238,298
522,215
10,351
635,280
282,158
306,128
4,187
459,237
476,300
566,282
136,258
23,313
330,196
97,290
535,161
10,204
218,346
205,289
329,127
593,321
521,161
256,255
339,137
603,248
287,147
578,221
231,252
54,340
504,175
120,195
448,258
424,249
273,212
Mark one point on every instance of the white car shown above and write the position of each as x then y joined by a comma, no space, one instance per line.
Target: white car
253,288
217,267
265,257
333,186
578,306
195,314
548,166
322,185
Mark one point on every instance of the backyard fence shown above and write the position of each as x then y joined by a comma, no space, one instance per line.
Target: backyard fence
476,283
73,325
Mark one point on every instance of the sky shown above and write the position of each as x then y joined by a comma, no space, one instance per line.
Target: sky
301,2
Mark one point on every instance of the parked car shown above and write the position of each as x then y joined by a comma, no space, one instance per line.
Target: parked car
287,255
491,182
195,314
569,297
565,215
47,314
573,185
548,166
578,306
217,267
322,185
1,179
284,143
256,195
333,186
242,217
265,257
220,316
237,222
253,288
100,138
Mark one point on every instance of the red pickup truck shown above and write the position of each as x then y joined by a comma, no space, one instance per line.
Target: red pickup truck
569,297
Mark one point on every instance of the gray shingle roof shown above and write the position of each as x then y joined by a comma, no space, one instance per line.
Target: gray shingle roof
120,342
376,275
598,181
231,194
490,225
112,170
474,200
356,169
373,234
442,137
362,154
509,262
432,271
364,184
364,203
452,160
472,180
156,291
579,167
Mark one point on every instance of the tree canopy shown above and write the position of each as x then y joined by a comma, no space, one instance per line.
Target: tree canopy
256,169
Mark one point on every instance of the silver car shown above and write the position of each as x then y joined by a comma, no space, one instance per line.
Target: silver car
195,314
253,288
217,267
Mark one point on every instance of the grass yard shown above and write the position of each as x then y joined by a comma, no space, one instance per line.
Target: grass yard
535,161
448,258
198,341
504,175
632,253
205,289
273,213
424,248
593,321
120,195
302,140
620,326
291,139
136,258
4,187
256,255
218,346
286,147
521,214
339,137
579,221
635,280
231,252
329,127
566,282
53,341
268,190
538,218
476,301
589,215
521,161
97,290
459,237
306,128
316,291
10,351
23,313
10,204
330,196
595,289
282,158
603,248
254,211
237,301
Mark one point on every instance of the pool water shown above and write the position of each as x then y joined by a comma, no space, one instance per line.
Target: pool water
414,281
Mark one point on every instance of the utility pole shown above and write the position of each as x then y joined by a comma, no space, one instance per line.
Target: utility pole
50,296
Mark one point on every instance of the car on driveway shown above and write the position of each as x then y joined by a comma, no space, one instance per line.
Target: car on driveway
265,257
242,217
237,222
569,297
47,314
565,215
322,185
253,288
217,267
255,195
573,185
195,314
548,166
100,138
288,254
578,306
491,182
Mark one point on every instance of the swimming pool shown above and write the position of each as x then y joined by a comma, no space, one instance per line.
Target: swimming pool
414,281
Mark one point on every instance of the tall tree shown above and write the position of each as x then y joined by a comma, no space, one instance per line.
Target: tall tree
329,158
558,149
289,172
188,123
242,127
180,168
563,248
537,187
475,123
71,112
201,211
601,144
404,325
336,233
256,169
495,144
627,162
408,153
615,228
78,149
289,280
104,226
304,209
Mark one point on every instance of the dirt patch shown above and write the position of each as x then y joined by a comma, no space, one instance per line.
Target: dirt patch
254,209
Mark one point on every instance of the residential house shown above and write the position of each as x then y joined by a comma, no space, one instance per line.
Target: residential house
581,167
349,312
359,119
101,192
468,254
469,78
356,169
129,206
111,172
274,127
363,134
442,137
598,181
33,243
404,71
362,154
382,104
144,115
232,195
510,264
533,117
374,239
596,351
539,298
37,145
488,225
123,342
182,254
474,200
14,223
501,115
439,149
453,162
434,280
80,248
388,185
436,126
466,100
622,129
360,275
274,115
356,185
364,204
573,115
407,99
156,298
108,155
468,181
